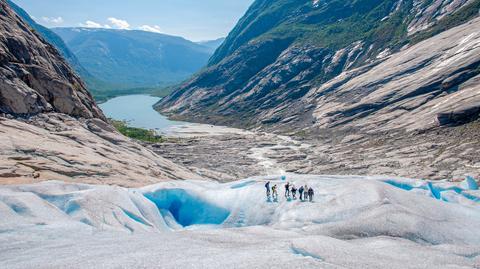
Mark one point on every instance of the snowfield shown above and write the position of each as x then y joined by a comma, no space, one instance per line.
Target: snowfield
354,222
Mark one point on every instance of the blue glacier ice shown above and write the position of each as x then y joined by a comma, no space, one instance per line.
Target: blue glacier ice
471,184
188,209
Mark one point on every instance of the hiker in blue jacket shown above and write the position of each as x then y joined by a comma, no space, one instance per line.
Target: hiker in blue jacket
300,192
267,186
287,190
294,192
310,194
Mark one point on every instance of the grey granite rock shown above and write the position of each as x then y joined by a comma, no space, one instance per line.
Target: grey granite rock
34,78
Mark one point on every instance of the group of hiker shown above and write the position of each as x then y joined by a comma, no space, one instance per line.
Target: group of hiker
305,193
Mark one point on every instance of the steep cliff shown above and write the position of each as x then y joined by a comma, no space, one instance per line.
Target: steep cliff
34,78
53,39
379,64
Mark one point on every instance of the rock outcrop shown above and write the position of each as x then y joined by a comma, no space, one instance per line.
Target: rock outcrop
50,126
34,78
59,147
53,39
433,82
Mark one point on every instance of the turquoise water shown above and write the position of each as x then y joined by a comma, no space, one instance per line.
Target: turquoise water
138,111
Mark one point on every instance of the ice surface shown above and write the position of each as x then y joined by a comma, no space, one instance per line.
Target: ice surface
354,222
447,192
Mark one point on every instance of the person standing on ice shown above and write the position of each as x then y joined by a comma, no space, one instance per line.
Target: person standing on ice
300,193
274,192
310,194
287,190
294,192
267,186
305,193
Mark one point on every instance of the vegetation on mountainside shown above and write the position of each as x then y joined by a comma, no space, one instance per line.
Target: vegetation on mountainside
339,24
140,134
134,59
463,15
336,24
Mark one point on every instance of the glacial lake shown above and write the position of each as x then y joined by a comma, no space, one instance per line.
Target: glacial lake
138,111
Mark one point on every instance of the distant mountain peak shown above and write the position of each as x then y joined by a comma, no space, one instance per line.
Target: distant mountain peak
135,58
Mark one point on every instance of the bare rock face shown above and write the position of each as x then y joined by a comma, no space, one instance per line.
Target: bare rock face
34,78
427,12
296,65
58,147
435,82
375,87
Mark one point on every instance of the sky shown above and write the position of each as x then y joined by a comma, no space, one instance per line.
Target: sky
197,20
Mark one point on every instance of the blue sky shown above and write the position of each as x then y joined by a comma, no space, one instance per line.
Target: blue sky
193,19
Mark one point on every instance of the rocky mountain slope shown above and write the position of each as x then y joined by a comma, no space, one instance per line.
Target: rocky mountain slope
51,37
50,126
371,86
34,77
135,58
107,87
96,86
369,64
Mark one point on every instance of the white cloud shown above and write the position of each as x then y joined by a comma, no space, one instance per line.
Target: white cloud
120,24
57,20
92,24
148,28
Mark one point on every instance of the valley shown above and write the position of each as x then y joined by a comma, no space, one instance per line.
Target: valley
239,155
372,107
225,154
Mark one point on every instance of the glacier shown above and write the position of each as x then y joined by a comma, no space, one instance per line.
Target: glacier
354,222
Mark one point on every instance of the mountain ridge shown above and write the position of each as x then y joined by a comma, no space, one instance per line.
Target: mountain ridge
97,87
133,58
51,37
268,73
